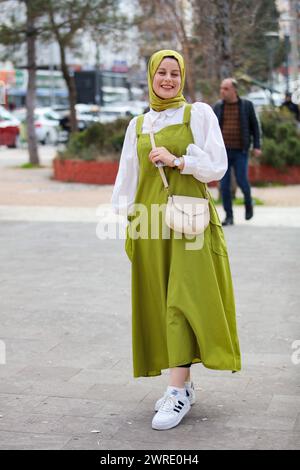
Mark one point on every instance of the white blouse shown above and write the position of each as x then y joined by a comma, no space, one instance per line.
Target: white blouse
206,159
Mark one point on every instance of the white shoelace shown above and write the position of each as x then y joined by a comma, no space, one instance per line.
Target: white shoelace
168,404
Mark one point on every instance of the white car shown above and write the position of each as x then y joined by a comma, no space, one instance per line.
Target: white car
261,98
122,111
46,123
91,109
111,113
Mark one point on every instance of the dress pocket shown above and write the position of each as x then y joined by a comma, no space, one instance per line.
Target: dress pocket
129,242
218,242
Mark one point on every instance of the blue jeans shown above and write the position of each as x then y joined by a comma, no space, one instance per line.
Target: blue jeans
239,160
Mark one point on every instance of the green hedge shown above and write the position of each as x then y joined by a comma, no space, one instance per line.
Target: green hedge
280,146
97,142
281,138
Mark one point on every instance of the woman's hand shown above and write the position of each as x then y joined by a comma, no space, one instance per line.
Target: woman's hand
162,154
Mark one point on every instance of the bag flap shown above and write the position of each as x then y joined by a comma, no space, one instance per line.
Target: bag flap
190,205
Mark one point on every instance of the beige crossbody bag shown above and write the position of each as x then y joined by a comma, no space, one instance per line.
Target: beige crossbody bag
185,214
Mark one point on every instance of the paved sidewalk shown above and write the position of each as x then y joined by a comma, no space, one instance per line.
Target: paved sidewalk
32,194
66,327
65,321
35,187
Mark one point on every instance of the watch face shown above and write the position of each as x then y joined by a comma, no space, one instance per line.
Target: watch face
177,161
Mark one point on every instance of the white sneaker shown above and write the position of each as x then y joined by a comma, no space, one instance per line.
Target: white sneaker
173,408
190,393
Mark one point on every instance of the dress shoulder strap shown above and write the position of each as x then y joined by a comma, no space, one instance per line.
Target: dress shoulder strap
187,113
139,124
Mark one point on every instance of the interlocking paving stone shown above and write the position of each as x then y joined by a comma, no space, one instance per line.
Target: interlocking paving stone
66,323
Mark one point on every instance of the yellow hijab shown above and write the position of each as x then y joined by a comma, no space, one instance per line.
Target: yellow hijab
157,103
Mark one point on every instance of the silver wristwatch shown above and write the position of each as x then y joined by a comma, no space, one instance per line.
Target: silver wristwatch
177,161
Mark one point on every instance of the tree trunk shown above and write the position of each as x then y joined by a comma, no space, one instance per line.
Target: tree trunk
70,82
223,40
30,96
190,74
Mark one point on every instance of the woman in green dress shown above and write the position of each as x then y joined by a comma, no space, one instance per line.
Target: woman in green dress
183,308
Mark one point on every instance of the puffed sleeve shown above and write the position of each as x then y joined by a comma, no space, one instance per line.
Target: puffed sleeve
206,159
126,181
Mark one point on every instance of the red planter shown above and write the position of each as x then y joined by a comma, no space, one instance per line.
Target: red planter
268,174
105,172
79,171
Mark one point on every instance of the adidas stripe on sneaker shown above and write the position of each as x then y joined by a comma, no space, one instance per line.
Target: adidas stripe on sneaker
189,392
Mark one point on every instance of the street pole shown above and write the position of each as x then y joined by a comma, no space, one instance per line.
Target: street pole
270,62
294,12
97,96
287,52
271,35
52,82
271,71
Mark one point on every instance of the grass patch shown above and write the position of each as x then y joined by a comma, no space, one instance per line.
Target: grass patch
30,165
239,201
264,184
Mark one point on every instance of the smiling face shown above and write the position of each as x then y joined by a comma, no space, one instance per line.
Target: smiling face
167,79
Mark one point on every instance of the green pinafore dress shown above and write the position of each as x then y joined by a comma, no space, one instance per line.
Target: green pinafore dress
183,308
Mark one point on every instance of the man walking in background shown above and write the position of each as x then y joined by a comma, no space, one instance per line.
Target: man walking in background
238,123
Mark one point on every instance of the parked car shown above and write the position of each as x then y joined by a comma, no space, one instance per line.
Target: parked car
9,128
122,110
86,116
86,113
46,122
90,110
261,98
111,113
47,125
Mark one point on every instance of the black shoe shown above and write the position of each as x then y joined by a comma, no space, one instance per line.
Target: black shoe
228,221
249,212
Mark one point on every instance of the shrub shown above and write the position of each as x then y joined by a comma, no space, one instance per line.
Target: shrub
281,138
97,142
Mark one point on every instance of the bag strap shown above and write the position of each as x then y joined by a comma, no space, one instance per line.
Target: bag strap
186,120
160,168
139,126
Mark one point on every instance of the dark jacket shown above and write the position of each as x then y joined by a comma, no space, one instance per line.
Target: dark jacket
248,121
